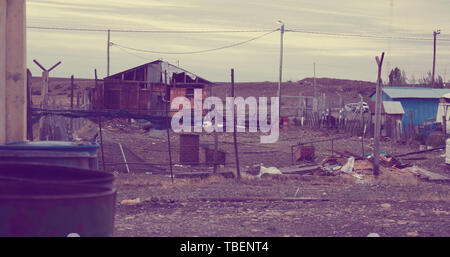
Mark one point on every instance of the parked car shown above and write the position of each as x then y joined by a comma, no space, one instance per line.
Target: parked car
352,107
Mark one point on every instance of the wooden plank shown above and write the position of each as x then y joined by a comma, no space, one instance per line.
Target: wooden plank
428,175
418,152
247,199
299,169
16,110
203,174
124,158
2,72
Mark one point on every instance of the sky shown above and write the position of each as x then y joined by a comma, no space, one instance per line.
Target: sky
334,56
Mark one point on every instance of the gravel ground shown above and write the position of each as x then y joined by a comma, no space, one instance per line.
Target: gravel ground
217,207
330,205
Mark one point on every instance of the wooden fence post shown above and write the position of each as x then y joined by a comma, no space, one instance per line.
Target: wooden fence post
238,171
378,103
29,106
43,122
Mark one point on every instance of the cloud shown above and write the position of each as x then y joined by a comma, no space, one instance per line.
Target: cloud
257,60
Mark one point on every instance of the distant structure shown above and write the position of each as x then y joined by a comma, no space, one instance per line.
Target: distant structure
143,88
391,118
421,102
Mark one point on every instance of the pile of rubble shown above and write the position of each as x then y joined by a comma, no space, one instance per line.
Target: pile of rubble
360,168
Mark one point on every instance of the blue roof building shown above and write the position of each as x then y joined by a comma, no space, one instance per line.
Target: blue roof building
421,101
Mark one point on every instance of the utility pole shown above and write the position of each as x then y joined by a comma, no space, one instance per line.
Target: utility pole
435,33
281,66
314,80
379,92
107,52
13,72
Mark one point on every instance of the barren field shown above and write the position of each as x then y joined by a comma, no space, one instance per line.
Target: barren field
273,205
396,203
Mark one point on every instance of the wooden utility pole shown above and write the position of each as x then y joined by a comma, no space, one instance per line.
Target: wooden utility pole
238,171
314,80
13,72
281,66
107,52
379,92
43,122
435,33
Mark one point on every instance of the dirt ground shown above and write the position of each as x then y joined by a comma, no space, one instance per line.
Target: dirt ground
337,209
395,204
217,206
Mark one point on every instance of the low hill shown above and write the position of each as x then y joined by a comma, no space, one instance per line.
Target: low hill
331,87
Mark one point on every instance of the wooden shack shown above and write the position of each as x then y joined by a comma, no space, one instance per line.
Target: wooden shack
391,118
142,89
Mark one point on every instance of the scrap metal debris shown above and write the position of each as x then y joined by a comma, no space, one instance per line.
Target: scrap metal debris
131,202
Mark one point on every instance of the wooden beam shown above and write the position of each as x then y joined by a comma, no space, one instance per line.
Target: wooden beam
379,92
29,105
54,66
2,72
40,65
15,89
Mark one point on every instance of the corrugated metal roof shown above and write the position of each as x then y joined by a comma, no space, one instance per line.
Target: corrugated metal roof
415,92
393,107
388,107
165,66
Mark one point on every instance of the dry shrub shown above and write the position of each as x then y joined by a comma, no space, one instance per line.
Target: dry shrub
182,182
401,177
433,197
392,176
138,180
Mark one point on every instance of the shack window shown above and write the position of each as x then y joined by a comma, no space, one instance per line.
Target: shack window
190,92
129,75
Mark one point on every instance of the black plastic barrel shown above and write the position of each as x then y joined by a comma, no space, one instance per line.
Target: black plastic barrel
50,174
42,200
46,210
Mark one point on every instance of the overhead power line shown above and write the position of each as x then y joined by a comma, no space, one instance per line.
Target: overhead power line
362,35
68,29
130,53
149,31
195,52
239,31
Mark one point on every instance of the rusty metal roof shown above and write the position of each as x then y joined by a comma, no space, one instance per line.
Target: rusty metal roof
165,66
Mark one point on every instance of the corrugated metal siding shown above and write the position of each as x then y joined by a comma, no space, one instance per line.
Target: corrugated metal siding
423,110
